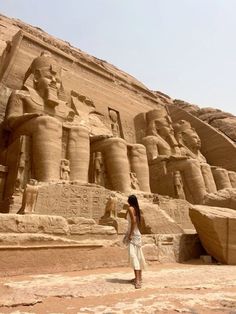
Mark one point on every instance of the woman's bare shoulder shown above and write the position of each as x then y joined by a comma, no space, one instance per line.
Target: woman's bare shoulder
131,209
132,214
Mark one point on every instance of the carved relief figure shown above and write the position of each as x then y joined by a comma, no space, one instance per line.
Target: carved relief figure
178,185
65,169
134,181
29,197
113,115
98,169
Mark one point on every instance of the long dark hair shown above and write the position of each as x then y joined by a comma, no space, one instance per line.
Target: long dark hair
133,201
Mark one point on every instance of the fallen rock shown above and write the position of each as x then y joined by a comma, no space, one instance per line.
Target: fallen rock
216,228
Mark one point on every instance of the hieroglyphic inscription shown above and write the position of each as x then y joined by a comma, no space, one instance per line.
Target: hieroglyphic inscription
128,130
70,200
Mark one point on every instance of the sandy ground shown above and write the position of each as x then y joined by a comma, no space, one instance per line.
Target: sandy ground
169,288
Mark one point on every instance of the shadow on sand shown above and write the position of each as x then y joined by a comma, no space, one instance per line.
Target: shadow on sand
120,281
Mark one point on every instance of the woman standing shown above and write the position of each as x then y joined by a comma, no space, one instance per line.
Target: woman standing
133,236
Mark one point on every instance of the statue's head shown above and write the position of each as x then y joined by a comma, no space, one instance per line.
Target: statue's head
65,162
164,127
33,182
158,119
98,155
46,77
191,139
113,115
187,135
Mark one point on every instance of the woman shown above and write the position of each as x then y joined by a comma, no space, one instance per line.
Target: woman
133,237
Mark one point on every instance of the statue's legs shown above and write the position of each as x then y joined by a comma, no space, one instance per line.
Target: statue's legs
139,165
208,178
78,153
46,147
116,161
221,178
191,171
46,134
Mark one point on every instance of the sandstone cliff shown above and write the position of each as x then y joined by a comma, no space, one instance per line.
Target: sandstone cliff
223,121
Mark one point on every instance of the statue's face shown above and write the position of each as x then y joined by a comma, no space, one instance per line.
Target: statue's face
165,129
113,116
47,82
33,182
192,139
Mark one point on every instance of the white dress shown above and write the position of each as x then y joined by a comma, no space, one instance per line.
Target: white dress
136,257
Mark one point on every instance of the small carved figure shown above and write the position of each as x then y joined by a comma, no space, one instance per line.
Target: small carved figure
114,123
65,169
178,186
29,197
134,181
98,167
20,173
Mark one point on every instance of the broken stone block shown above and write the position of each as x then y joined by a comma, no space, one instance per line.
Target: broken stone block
216,228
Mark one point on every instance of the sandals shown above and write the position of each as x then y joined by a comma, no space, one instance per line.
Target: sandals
138,285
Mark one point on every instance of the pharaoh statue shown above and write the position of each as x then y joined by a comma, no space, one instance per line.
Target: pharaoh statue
215,178
57,132
39,110
190,145
165,157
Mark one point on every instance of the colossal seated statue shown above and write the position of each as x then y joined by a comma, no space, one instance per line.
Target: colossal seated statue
216,178
176,150
40,111
58,133
190,145
165,157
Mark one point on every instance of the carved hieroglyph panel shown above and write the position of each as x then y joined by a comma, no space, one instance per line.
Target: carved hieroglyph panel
72,200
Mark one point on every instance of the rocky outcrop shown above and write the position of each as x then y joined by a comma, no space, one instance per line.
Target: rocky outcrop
223,121
217,232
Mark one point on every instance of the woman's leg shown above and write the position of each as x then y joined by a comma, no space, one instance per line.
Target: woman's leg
137,279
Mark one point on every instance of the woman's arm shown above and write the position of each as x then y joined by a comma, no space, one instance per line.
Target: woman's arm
131,211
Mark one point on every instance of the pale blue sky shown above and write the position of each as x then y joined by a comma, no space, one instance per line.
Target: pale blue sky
185,48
